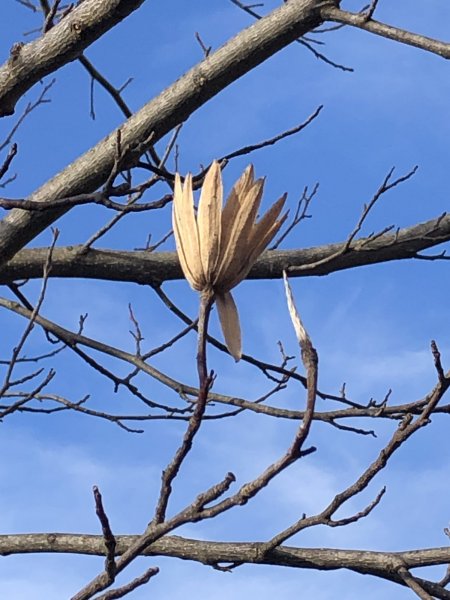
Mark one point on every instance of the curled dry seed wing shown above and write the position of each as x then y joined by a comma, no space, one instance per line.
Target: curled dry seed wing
236,250
209,217
186,233
177,198
265,229
240,188
262,234
245,181
181,256
229,321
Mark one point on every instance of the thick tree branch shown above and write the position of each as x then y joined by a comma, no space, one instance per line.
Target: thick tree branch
379,564
63,43
238,56
155,268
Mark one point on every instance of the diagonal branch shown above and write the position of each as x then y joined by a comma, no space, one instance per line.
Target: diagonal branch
63,43
413,584
363,21
238,56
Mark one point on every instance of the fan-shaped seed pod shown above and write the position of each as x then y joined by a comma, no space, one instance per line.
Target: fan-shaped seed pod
217,248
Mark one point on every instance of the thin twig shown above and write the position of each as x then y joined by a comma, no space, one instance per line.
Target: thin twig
206,49
108,536
107,86
300,214
110,224
50,14
205,382
271,141
370,11
386,185
303,41
100,198
33,316
359,20
404,431
28,109
8,160
124,590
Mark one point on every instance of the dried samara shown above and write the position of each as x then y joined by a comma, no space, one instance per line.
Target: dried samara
217,248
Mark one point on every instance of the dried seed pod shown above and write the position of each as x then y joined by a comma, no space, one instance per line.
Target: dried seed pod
218,248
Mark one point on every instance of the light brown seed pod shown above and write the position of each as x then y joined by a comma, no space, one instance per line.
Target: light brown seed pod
218,248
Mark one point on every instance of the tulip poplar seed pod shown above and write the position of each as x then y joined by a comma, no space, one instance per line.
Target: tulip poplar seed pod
217,248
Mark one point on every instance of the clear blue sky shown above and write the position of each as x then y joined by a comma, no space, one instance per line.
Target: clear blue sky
371,326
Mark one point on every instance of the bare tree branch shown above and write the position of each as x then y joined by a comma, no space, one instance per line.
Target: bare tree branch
361,21
155,268
62,44
378,564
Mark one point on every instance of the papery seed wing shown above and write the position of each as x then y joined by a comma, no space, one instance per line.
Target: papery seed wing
267,227
177,199
234,201
240,188
263,233
245,181
241,226
209,220
182,258
186,233
229,321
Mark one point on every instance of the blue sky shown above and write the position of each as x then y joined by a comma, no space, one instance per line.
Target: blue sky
371,326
